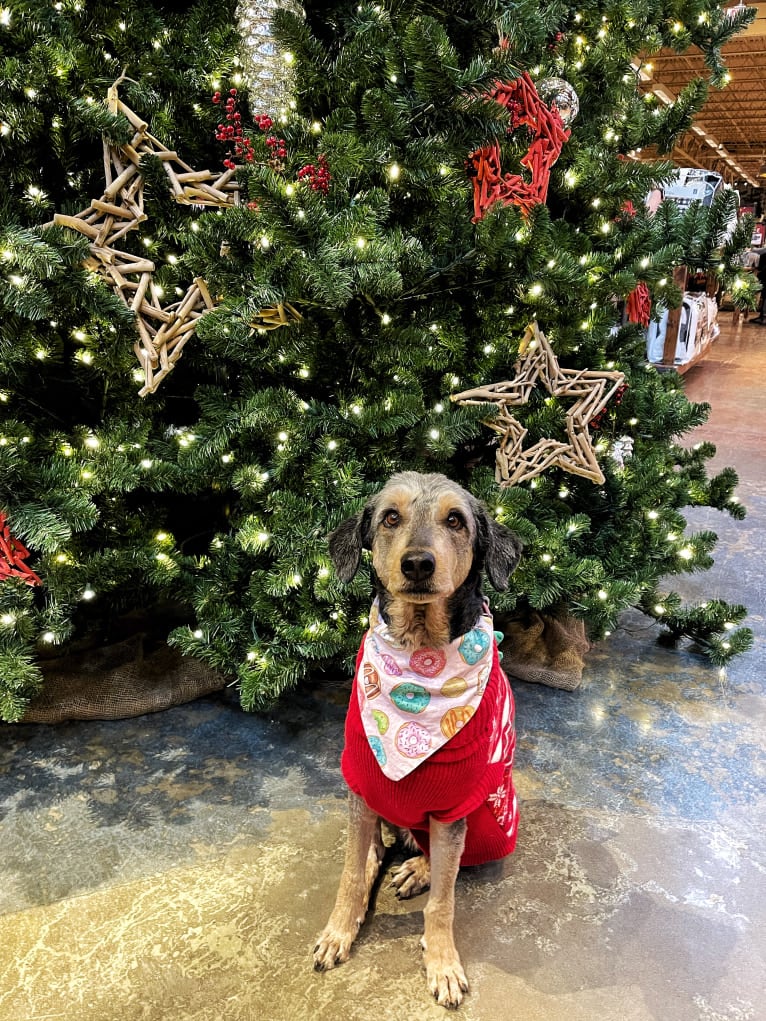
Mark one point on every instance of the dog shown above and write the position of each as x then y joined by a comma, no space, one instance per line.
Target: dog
430,656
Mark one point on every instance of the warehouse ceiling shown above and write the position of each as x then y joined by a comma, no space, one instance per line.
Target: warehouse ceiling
729,133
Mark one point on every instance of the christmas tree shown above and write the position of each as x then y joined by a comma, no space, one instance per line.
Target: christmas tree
414,206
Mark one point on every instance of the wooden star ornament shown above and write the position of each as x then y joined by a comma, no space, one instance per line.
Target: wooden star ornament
537,365
163,329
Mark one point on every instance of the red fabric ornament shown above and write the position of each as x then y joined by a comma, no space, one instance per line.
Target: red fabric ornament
626,214
490,184
639,304
12,556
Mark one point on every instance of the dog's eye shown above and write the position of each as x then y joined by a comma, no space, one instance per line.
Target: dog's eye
391,519
455,520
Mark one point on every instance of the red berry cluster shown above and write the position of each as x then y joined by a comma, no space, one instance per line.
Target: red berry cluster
232,132
553,43
317,177
619,393
278,147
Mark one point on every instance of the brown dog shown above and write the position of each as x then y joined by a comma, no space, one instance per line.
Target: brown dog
430,540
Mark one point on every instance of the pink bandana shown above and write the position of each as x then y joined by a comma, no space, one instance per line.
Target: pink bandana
412,703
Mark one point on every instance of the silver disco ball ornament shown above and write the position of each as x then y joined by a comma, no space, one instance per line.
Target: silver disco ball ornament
559,93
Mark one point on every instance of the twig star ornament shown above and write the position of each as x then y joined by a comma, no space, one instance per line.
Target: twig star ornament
590,390
163,329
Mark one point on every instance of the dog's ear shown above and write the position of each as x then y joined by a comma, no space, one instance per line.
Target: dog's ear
347,542
501,548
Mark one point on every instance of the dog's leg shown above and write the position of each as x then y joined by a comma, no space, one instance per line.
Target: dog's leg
364,853
446,978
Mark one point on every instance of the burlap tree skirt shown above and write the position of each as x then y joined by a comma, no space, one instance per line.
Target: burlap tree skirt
118,681
544,648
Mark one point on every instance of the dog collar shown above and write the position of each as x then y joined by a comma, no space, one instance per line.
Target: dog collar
413,703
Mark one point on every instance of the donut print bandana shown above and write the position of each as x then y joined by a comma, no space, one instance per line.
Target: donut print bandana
412,703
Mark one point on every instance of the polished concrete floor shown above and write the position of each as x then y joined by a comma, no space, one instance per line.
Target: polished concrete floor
179,866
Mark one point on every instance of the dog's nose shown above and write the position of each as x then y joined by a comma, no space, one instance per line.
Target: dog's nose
418,566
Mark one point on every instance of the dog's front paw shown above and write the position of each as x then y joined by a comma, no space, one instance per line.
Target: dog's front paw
333,947
412,877
446,978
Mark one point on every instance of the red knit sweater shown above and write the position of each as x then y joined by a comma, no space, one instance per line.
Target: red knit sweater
456,782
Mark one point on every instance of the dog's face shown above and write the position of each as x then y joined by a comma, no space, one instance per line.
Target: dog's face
427,534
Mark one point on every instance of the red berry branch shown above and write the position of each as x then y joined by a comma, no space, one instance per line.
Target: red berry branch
240,146
595,423
317,177
232,132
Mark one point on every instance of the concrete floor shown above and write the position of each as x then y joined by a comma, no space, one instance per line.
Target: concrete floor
179,866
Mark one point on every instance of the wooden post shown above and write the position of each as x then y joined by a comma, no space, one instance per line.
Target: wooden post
680,276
